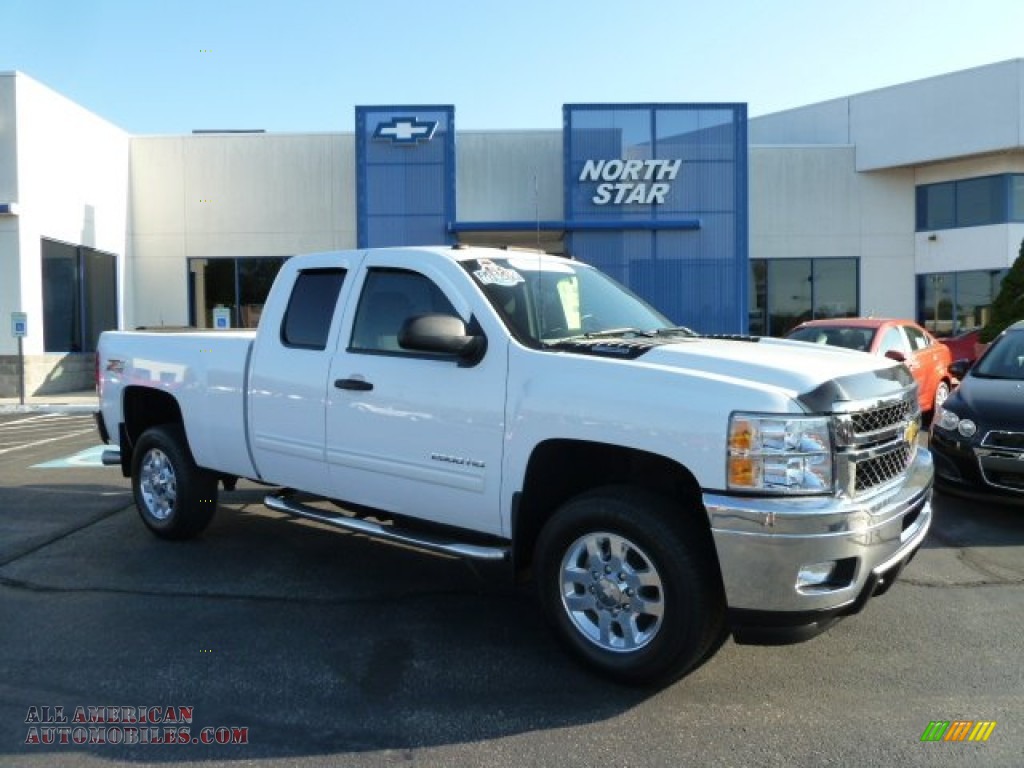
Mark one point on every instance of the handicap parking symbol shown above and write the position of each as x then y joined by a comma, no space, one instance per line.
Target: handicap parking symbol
90,457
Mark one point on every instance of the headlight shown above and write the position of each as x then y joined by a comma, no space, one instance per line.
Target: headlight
949,421
789,454
946,419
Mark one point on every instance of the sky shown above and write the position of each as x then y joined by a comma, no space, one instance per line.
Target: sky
172,66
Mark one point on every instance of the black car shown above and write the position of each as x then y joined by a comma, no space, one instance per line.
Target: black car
977,436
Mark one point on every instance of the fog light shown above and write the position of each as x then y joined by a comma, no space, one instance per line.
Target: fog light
815,575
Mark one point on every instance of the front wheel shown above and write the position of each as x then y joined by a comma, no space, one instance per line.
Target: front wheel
175,498
630,585
941,393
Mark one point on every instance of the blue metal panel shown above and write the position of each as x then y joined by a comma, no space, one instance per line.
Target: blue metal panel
405,175
628,165
576,226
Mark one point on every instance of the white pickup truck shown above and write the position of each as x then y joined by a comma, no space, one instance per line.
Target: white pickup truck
661,488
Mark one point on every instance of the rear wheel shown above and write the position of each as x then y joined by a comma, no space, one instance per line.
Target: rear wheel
630,585
175,498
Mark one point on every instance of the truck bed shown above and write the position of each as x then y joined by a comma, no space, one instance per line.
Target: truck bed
205,371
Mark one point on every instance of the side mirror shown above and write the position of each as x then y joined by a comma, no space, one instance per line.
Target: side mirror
894,354
959,368
441,334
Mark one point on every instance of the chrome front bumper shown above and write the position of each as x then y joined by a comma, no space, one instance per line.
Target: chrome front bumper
763,544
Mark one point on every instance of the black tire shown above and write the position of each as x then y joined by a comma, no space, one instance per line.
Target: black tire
175,498
648,617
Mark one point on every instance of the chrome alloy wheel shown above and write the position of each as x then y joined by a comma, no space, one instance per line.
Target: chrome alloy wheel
158,484
612,592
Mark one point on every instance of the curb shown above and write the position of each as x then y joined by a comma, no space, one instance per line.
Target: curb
49,408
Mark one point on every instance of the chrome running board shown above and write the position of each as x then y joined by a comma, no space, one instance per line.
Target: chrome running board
429,542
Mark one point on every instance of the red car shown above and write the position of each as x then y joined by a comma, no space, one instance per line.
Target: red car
903,340
963,346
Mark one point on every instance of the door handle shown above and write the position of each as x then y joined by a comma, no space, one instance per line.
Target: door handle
358,385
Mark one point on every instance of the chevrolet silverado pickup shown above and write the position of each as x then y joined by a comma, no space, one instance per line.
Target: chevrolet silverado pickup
661,488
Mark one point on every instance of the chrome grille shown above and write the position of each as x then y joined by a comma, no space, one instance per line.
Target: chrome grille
869,473
1012,481
882,417
876,441
1014,440
1001,459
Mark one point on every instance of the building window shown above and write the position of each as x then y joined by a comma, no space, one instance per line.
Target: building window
970,202
79,296
1017,197
950,303
936,206
238,285
786,292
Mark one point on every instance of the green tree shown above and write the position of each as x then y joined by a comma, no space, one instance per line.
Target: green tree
1009,304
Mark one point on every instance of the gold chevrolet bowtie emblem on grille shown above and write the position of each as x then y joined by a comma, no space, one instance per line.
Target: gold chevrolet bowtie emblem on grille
911,433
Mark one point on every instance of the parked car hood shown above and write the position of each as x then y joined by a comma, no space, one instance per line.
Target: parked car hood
993,403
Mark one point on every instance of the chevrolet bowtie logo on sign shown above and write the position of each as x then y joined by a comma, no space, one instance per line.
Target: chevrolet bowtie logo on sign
406,131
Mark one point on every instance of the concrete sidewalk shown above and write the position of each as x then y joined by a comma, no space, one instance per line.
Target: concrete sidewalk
85,401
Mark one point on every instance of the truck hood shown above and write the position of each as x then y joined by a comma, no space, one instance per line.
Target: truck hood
816,375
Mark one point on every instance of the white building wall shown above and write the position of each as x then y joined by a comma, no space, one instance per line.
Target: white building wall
71,171
10,267
825,123
217,195
810,202
971,112
960,114
509,176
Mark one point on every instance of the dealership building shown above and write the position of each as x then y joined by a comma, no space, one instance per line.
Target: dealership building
906,201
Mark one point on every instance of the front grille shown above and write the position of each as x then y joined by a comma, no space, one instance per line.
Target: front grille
882,417
876,441
1012,481
1014,440
869,473
1001,459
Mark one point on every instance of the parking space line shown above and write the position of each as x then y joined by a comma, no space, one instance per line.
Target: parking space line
47,440
45,416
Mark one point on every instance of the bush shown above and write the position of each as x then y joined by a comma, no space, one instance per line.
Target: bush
1008,306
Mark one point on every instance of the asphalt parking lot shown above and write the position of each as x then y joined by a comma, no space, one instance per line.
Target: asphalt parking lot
313,647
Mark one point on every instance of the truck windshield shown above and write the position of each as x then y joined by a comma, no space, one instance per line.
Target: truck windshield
544,300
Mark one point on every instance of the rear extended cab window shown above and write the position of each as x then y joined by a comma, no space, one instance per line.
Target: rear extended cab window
307,320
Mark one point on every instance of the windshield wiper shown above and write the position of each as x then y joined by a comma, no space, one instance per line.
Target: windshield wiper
612,332
680,330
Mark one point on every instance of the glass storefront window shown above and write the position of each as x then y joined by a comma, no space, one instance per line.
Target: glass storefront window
789,294
240,285
835,288
79,296
785,292
255,276
757,303
936,310
951,303
62,313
